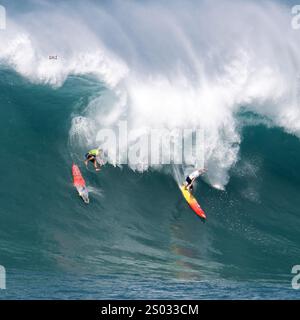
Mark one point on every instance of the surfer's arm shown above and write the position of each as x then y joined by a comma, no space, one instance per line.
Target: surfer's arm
189,184
201,171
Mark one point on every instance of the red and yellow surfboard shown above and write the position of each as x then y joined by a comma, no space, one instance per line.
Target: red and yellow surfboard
192,202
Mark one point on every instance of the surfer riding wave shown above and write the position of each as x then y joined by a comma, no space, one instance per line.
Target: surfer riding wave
189,181
93,156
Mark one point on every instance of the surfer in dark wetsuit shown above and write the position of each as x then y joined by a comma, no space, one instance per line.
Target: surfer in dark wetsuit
192,177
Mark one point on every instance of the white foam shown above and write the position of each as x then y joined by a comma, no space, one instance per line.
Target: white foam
178,64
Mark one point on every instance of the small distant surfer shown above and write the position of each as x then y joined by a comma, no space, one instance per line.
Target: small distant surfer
93,156
189,181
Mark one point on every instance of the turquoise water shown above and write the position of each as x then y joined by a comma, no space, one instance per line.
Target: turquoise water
138,233
138,239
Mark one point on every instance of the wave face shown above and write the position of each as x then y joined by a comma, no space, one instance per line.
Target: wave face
157,65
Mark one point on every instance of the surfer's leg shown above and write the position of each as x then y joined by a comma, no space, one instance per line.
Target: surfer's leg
87,156
95,163
188,182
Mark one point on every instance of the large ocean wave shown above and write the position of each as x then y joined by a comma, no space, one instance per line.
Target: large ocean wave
229,68
167,65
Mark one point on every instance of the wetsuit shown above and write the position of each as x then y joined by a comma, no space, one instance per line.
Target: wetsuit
190,178
92,154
